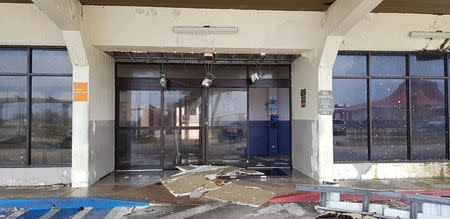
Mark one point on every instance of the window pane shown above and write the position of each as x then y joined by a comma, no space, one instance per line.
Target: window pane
427,65
13,120
138,71
272,71
182,147
140,108
51,61
427,120
13,61
227,145
350,120
222,113
182,108
388,101
139,149
388,65
52,89
350,65
51,140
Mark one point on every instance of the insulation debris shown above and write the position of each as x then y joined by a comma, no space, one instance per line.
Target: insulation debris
244,195
185,185
206,181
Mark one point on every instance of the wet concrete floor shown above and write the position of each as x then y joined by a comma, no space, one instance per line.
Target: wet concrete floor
146,186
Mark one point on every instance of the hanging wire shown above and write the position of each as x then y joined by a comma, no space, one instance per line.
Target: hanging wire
209,69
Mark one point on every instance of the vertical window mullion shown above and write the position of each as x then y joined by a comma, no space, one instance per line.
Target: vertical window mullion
29,110
369,116
408,107
446,69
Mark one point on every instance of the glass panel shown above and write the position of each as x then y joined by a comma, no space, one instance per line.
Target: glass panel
13,61
427,65
13,120
52,89
140,108
272,71
51,140
388,65
350,65
182,108
138,71
227,145
51,61
350,120
427,120
182,147
388,101
230,71
139,149
184,71
222,113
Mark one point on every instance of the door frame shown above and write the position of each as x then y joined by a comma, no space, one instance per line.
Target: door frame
148,83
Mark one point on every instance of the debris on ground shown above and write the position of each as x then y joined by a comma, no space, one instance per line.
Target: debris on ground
244,195
206,181
338,215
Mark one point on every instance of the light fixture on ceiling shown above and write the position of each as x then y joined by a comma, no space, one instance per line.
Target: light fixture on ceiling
429,34
204,29
208,60
163,79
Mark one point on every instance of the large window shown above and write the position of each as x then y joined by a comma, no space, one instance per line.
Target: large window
35,107
391,107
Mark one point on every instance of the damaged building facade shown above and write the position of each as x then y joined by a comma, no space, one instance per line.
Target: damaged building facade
353,89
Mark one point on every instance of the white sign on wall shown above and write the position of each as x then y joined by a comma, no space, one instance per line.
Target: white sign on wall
326,102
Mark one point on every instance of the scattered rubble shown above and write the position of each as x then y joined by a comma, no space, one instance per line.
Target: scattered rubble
244,195
208,181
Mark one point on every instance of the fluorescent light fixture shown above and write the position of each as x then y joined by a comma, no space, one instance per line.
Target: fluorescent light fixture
163,81
204,29
206,82
254,77
428,34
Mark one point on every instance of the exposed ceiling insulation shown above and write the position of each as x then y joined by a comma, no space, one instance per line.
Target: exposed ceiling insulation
197,58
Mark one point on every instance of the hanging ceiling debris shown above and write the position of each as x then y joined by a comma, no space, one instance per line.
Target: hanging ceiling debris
198,58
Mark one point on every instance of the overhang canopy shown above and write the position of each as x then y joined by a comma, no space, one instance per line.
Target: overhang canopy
387,6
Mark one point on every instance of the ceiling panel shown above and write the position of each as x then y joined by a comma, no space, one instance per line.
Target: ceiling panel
387,6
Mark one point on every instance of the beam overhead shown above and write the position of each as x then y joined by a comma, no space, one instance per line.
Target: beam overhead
342,15
66,14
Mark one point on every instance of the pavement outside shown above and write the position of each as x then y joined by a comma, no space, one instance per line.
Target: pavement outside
146,186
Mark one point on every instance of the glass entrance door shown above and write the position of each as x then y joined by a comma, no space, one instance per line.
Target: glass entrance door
183,127
227,126
139,140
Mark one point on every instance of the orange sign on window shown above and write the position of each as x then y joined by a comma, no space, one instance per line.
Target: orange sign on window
80,92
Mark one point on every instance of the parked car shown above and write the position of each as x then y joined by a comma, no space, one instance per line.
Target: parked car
339,128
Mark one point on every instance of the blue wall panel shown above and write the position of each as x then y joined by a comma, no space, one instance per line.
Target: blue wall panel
259,137
284,137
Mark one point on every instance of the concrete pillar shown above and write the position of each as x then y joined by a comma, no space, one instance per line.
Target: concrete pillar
312,134
94,94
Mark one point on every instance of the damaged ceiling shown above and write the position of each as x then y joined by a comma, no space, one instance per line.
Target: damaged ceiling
387,6
197,58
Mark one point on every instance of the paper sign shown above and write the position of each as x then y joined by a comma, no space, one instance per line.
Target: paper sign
80,92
